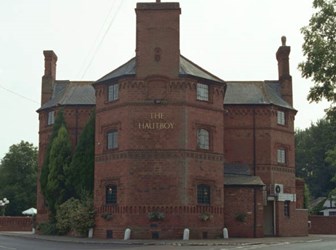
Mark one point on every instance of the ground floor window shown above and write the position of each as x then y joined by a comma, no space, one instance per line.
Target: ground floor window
111,194
286,208
203,194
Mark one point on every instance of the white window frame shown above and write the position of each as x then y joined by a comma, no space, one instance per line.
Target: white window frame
202,92
281,118
203,139
113,92
281,156
51,117
112,139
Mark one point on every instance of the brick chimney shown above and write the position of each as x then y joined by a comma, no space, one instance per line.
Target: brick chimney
285,78
49,76
157,39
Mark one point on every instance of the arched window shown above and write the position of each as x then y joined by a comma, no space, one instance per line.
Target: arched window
203,139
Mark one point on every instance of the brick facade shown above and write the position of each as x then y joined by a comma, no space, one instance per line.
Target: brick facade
154,162
296,224
244,212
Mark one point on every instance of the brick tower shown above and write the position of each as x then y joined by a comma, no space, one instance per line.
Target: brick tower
159,139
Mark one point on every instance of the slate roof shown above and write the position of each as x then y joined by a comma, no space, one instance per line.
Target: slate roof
71,93
252,92
237,92
237,174
187,68
242,180
236,169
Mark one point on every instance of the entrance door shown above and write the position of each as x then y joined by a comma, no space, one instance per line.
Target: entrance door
269,219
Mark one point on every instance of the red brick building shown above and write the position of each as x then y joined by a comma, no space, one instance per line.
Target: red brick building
169,155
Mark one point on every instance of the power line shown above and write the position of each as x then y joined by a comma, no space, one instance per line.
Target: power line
103,37
96,40
17,94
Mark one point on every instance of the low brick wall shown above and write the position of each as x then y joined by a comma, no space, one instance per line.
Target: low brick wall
19,223
322,224
295,225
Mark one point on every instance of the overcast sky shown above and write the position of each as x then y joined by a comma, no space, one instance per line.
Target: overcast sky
233,39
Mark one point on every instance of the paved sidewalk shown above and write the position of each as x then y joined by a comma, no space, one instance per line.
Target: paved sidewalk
209,242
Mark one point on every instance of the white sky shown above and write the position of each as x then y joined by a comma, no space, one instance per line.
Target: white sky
233,39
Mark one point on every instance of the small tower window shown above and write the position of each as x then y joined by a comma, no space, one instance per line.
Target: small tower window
113,92
281,118
202,92
281,156
203,139
51,117
112,139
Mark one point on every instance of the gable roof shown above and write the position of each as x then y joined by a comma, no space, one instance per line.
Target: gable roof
186,68
254,92
71,93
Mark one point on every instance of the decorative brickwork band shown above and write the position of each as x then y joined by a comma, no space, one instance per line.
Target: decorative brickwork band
166,209
159,155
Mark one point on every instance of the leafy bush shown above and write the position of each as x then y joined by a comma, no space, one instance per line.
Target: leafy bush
241,217
75,215
156,215
47,228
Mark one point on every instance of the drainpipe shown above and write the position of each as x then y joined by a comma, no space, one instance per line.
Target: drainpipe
76,129
254,173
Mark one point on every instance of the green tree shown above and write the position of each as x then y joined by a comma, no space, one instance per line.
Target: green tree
18,171
80,173
59,121
319,48
59,159
331,159
306,197
311,165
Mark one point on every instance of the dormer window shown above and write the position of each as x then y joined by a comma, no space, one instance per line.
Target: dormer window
281,118
202,92
113,92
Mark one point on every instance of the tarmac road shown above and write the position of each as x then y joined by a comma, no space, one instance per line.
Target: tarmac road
19,241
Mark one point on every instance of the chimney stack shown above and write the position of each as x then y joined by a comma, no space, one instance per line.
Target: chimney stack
49,76
158,39
285,78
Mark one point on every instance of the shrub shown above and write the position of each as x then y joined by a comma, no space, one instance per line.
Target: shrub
47,228
75,215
